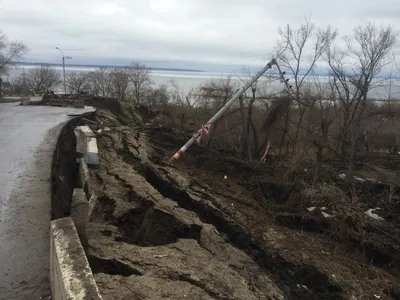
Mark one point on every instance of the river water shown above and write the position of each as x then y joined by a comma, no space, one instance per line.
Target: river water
384,88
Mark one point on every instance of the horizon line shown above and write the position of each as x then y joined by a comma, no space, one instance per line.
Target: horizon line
318,74
105,66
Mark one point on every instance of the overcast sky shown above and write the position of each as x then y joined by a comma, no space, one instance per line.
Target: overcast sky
201,34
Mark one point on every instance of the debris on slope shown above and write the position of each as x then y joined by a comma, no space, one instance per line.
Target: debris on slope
183,232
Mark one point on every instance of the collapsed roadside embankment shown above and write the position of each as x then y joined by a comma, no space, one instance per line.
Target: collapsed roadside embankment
178,231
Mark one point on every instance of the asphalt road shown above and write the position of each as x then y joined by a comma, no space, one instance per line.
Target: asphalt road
27,139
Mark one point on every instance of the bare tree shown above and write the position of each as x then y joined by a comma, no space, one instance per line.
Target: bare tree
216,92
302,48
120,82
43,78
140,79
19,84
180,99
214,96
250,139
100,82
157,97
323,113
9,52
78,82
353,70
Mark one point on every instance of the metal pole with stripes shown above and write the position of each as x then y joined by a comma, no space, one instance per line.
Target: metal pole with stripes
228,104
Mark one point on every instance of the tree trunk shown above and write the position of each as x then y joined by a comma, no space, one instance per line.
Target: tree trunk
246,145
285,130
345,138
320,149
350,172
1,81
301,117
355,134
192,111
255,137
366,144
249,120
253,127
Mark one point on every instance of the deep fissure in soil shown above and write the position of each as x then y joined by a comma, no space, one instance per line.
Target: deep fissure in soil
273,263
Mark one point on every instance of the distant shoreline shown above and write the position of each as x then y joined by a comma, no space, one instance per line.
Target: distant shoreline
102,66
395,77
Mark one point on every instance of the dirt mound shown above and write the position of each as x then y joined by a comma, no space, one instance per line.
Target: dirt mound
124,111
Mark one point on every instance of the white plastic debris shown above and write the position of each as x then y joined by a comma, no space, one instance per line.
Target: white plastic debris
107,129
159,255
323,208
299,286
373,180
370,213
342,176
312,208
359,179
377,296
326,215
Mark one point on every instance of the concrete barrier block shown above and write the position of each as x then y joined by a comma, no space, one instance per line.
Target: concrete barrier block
80,142
92,124
84,178
92,206
86,146
86,131
70,273
79,214
92,153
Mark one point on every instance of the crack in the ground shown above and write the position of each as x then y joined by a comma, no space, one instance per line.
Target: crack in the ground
112,267
196,281
124,183
154,227
315,280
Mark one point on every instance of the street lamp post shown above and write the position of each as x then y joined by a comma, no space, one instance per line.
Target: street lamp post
64,58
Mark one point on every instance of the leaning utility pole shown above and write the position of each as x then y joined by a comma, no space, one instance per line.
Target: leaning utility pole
206,128
64,58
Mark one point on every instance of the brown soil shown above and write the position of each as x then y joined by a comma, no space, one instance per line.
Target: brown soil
181,231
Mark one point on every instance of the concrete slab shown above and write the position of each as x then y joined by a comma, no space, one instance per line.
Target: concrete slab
70,273
86,131
86,146
79,214
92,154
84,178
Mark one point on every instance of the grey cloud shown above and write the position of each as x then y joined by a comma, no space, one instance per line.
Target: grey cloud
204,31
